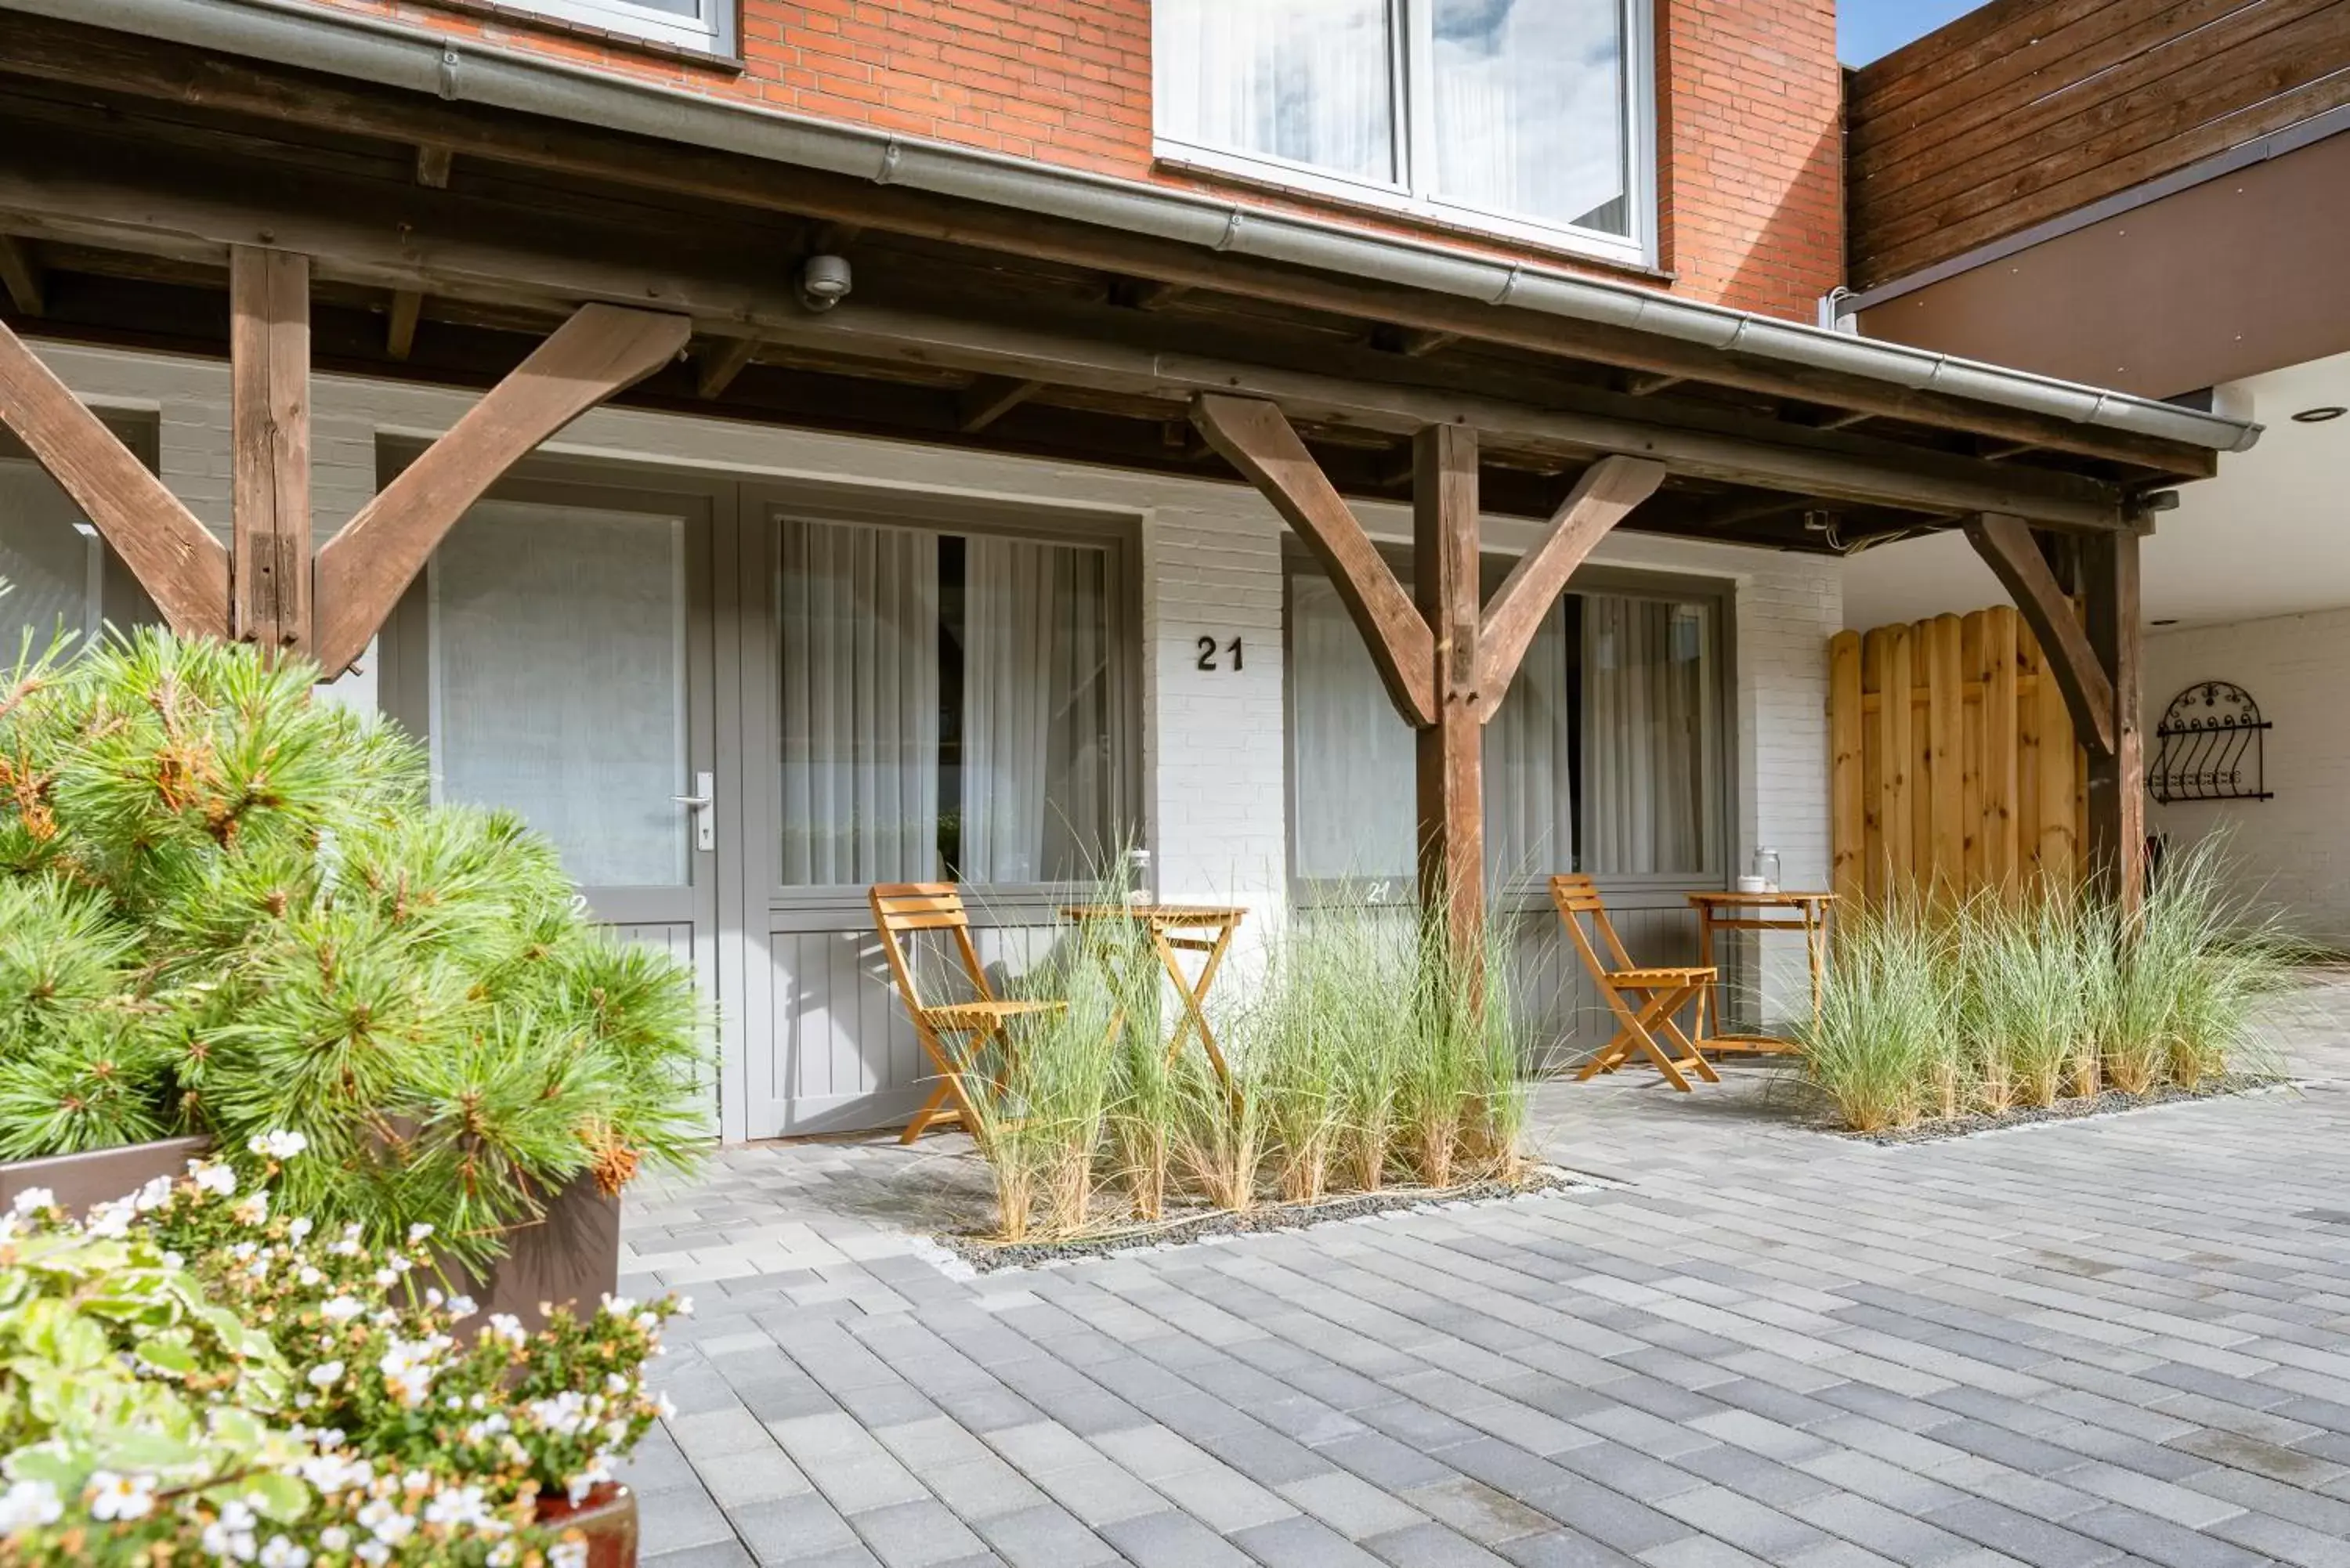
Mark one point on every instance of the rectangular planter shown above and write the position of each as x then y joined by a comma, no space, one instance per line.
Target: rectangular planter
608,1518
571,1257
82,1181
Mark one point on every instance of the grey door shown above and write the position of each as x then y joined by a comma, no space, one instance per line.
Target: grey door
557,657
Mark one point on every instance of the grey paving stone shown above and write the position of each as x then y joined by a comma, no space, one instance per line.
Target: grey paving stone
2017,1535
1044,1536
1299,1541
788,1530
1432,1546
1168,1539
1562,1549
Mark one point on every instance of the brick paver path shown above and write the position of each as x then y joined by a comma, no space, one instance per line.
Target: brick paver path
2104,1342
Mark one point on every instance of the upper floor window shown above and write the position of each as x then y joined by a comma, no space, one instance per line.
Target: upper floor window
1520,117
704,24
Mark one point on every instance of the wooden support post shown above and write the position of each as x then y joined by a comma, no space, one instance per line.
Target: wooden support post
269,439
1452,750
364,569
182,567
2116,814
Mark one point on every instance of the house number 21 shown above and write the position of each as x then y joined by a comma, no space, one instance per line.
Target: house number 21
1209,650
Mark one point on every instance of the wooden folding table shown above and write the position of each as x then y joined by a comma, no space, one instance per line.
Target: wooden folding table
1175,929
1788,911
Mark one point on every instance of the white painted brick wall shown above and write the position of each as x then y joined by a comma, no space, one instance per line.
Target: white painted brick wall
2292,852
1214,796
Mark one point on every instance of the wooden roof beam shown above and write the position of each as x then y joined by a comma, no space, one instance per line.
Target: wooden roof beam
989,399
175,558
400,322
2007,547
717,366
432,167
1608,490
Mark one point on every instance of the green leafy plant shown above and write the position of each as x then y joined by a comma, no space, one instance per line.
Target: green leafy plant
227,909
1886,1007
193,1375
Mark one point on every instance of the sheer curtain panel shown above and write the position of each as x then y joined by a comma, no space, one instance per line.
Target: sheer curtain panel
1651,754
50,558
1037,781
1530,762
858,639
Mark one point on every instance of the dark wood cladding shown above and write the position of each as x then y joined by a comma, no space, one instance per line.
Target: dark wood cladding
2027,109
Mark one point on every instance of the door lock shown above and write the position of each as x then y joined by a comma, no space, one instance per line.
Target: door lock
700,802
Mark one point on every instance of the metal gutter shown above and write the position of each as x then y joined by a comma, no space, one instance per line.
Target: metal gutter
312,37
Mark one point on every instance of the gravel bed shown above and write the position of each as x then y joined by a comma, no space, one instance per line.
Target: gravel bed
986,1256
2113,1102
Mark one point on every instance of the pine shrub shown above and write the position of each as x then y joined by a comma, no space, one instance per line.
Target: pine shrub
227,909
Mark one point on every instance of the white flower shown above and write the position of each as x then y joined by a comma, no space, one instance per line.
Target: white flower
685,1307
283,1554
120,1497
335,1538
32,1200
231,1535
508,1327
502,1555
618,1306
460,1307
418,1232
111,1222
567,1555
154,1195
454,1507
326,1375
300,1229
255,1208
310,1276
663,1408
375,1554
342,1308
29,1503
211,1175
386,1278
281,1144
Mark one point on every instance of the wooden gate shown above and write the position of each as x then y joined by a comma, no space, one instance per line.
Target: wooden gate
1954,765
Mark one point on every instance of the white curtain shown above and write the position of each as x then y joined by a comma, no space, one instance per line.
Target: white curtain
1651,754
559,682
1309,81
1529,109
1529,763
858,637
1351,755
50,558
1037,785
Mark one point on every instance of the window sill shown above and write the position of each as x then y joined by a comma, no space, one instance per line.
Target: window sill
1193,164
529,21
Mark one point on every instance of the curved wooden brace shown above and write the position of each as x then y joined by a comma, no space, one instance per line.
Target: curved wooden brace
177,561
1608,490
1256,437
2006,545
365,567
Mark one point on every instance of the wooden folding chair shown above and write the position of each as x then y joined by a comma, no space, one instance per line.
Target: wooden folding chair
952,1033
1643,1001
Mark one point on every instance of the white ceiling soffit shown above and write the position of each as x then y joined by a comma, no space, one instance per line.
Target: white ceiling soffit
2269,537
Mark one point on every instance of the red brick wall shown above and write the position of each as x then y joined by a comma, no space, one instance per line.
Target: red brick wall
1749,160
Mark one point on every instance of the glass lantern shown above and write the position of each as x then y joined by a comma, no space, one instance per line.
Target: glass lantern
1766,869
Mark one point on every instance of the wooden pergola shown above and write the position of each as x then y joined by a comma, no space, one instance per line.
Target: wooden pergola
165,197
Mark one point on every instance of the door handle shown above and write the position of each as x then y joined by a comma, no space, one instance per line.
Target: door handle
705,822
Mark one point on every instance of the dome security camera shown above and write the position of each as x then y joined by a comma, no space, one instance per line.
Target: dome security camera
825,281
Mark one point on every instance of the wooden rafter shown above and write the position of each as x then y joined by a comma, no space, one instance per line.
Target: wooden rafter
364,569
990,398
718,367
1256,437
182,567
269,429
400,324
1607,491
2006,545
433,164
20,275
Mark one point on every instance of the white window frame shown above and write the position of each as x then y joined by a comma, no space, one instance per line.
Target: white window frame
1410,28
711,34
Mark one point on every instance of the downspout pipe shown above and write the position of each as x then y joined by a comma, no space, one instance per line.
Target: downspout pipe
315,38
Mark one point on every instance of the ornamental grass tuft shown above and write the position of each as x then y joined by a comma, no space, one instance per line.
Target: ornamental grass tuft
2005,1002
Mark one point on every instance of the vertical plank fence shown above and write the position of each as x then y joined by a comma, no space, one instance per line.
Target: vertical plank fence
1953,766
